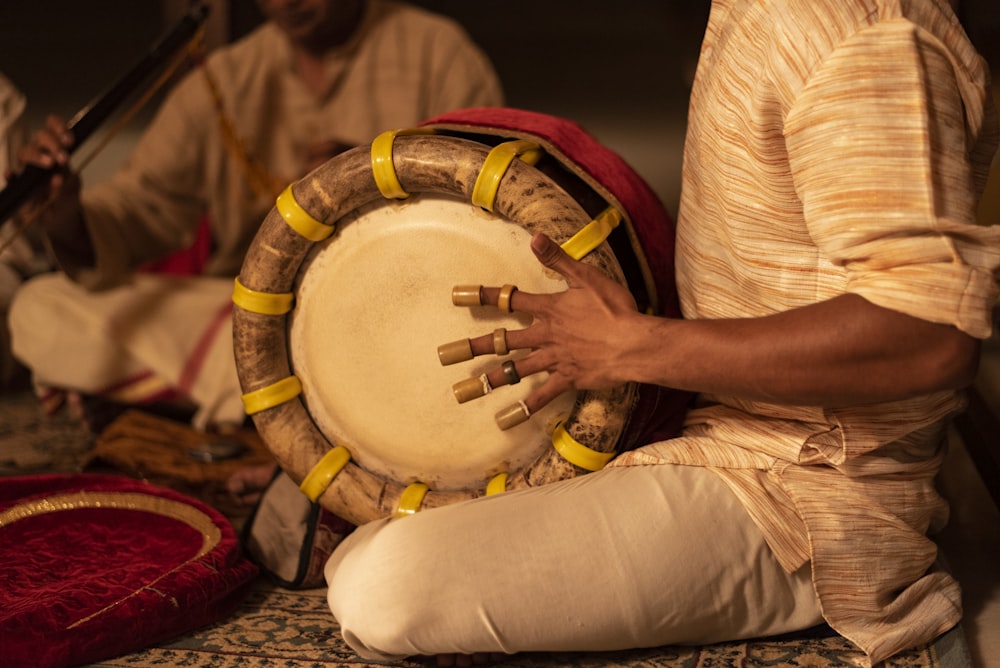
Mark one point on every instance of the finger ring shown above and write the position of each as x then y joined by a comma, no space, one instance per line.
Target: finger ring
510,372
512,415
503,301
500,341
467,295
455,352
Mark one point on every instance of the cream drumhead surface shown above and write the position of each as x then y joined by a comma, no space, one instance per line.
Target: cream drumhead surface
372,305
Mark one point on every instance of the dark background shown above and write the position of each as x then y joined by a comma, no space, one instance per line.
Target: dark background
621,69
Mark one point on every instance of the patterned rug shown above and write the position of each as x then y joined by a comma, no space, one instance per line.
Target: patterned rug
278,628
30,442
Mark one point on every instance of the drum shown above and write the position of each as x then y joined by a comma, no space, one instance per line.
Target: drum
346,296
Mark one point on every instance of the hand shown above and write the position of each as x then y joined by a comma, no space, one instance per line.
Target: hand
574,335
50,146
49,149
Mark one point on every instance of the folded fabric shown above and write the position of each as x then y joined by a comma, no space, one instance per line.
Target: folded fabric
93,566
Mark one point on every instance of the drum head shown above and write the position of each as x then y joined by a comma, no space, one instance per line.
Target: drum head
373,304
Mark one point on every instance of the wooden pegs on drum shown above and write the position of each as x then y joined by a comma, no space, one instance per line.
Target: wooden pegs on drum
345,296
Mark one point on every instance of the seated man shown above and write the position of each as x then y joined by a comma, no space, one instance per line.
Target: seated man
21,255
835,286
318,77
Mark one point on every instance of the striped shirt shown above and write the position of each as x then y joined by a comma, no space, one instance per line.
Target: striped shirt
838,146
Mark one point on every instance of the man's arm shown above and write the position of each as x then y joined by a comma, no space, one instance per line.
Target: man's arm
57,206
843,351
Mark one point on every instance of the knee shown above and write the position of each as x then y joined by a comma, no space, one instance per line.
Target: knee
32,313
36,295
379,593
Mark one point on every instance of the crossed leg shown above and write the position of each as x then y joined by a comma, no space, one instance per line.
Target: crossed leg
628,557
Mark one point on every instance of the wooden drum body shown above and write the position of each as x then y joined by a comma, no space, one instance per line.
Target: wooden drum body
345,296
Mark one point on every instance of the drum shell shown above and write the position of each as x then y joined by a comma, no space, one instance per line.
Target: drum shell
423,164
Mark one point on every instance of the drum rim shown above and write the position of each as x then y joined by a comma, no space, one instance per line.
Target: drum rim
273,263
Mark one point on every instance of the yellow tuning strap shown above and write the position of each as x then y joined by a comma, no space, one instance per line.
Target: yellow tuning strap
273,395
593,233
299,220
497,484
484,193
382,168
326,469
577,453
265,303
410,499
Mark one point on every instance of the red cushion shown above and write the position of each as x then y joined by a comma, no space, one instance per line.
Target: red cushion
190,261
95,566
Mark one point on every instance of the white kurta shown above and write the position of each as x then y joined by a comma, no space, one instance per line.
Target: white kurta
403,66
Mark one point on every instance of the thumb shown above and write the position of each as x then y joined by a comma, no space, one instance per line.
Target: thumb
551,255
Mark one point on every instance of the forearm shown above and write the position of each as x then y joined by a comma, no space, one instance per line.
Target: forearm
839,352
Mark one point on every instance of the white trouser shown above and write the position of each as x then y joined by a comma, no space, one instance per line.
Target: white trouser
157,334
625,558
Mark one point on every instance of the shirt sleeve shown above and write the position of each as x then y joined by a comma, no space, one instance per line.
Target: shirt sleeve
153,203
879,142
466,77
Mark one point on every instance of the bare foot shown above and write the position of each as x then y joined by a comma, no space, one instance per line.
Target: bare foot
93,413
51,399
248,483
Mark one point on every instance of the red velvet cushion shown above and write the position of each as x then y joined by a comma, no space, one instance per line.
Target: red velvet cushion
96,566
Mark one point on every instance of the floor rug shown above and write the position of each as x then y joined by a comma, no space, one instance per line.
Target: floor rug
31,442
281,628
278,628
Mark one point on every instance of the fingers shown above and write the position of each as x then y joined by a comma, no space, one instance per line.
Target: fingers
508,298
479,295
510,372
501,342
522,410
49,147
551,255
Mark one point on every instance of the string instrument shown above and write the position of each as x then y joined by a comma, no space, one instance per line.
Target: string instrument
82,125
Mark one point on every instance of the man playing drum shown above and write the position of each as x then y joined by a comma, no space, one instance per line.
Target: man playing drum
318,77
834,284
